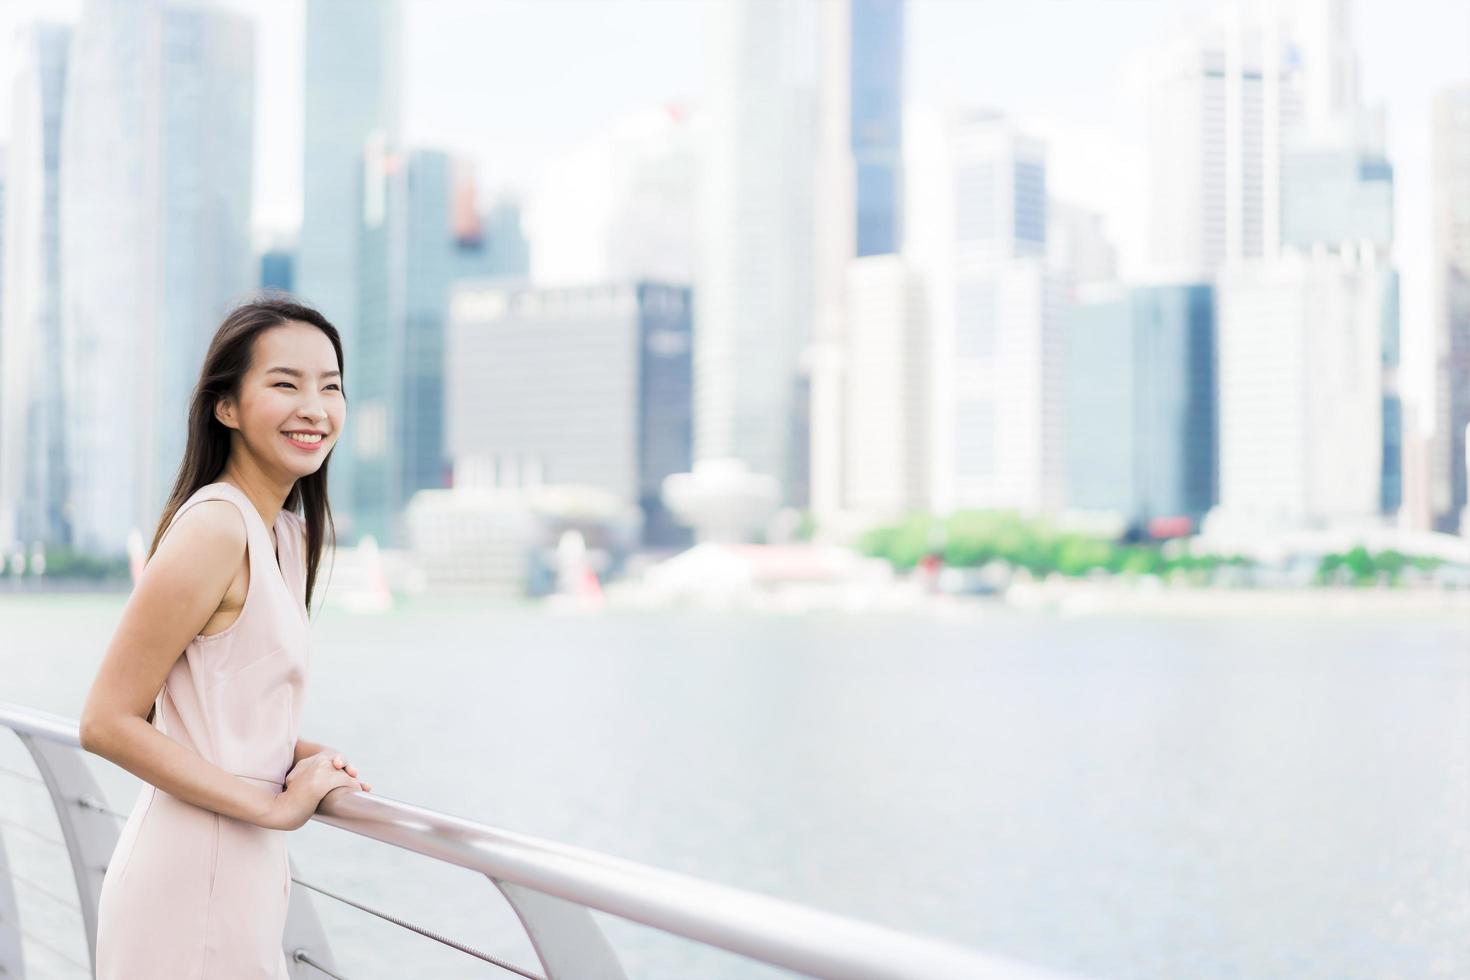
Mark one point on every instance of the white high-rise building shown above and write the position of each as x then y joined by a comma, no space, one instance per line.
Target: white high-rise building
998,361
1222,97
1078,245
999,436
1228,97
156,160
32,402
834,243
1270,177
1322,33
1301,351
1451,197
1000,197
885,432
1414,513
753,293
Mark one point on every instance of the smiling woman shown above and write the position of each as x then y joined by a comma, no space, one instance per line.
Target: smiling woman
302,436
200,691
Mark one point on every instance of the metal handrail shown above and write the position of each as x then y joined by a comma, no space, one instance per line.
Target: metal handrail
552,885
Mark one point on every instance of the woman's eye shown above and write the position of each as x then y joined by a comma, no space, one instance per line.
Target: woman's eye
290,385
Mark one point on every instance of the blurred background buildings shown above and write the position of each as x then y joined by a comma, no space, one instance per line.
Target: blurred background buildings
806,280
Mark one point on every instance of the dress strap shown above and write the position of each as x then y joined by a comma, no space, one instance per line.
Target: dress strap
256,536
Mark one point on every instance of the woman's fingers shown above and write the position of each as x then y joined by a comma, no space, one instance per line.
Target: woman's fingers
338,762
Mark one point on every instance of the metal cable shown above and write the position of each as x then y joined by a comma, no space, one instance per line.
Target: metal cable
34,833
28,777
493,960
58,953
61,899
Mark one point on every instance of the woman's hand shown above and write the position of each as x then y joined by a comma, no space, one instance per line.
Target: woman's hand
350,769
307,783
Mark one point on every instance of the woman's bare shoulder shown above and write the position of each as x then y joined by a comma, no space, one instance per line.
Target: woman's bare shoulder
207,529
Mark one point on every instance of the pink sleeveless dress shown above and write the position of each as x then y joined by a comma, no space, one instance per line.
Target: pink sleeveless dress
191,894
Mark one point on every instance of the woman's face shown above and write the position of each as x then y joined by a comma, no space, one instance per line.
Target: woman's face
293,386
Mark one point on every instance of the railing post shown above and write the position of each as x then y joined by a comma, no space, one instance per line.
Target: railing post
304,932
12,955
86,827
567,939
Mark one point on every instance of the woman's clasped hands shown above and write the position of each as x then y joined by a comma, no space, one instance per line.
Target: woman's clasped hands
307,783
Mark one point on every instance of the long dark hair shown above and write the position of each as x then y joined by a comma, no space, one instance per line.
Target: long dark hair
208,446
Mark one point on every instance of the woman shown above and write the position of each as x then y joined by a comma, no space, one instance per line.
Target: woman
199,882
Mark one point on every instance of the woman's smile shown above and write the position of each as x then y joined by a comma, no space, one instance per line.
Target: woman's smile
308,443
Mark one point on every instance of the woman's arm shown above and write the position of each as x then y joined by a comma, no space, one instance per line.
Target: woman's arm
305,748
178,591
339,761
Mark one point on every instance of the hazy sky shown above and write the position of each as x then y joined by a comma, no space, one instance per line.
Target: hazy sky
514,83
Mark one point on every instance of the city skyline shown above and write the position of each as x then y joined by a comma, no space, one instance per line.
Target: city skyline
1230,171
1080,89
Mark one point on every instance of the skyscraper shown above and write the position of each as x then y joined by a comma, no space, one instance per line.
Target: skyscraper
999,367
1337,195
410,251
155,201
500,249
1077,244
1222,97
380,342
351,152
886,390
430,265
278,268
437,253
1337,183
859,197
1273,179
1451,196
1141,429
488,241
1307,422
574,386
753,297
33,484
1000,197
876,66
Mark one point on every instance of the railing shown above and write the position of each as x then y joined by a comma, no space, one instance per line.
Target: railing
551,887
